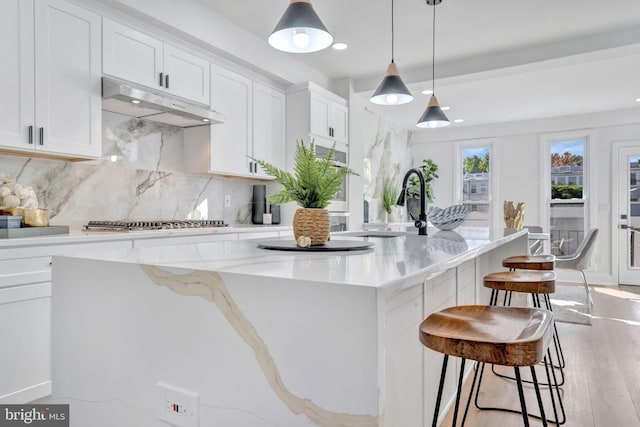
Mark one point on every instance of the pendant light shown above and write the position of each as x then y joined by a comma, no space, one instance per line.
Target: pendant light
300,30
433,117
392,90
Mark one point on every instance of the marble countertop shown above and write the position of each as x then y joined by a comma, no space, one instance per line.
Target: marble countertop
391,261
82,236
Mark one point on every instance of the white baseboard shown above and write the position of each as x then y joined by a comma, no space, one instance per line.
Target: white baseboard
27,395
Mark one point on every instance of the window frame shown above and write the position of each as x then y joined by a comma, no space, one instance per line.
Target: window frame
495,229
587,192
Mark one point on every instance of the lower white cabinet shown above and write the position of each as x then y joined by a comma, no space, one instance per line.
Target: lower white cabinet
25,329
25,318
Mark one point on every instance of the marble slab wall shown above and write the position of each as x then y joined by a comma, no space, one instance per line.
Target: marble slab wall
387,157
142,176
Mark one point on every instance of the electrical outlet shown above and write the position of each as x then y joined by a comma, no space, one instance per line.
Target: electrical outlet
177,407
227,200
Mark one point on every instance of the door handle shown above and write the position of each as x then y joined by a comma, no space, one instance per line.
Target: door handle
41,136
166,81
623,226
161,79
31,134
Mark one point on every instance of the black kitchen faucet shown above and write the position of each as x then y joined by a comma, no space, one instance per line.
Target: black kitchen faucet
421,222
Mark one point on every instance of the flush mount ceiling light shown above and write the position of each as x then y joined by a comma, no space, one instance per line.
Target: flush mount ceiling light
300,30
392,90
340,46
433,117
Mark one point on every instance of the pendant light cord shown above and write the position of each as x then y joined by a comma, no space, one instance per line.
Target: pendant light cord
433,51
392,34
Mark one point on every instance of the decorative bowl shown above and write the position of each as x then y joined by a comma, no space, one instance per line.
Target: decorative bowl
447,218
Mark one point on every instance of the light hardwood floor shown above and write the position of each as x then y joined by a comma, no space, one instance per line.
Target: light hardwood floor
603,370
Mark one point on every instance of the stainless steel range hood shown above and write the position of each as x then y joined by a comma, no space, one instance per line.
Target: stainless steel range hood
123,98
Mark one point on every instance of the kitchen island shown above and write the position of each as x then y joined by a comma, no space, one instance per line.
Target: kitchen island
261,337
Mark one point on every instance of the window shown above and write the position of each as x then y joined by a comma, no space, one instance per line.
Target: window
567,207
476,184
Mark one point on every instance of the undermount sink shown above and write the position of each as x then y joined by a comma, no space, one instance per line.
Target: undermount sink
375,233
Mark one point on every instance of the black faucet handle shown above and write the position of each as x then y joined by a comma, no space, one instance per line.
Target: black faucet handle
418,223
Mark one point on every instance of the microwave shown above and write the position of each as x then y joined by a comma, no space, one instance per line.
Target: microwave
339,202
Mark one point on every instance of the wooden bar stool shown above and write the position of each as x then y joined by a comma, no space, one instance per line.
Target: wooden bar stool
508,336
536,262
530,262
536,283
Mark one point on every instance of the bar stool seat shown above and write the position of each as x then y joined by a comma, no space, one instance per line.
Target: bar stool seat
508,336
530,262
530,282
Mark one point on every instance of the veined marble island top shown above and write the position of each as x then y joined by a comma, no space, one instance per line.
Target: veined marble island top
391,261
263,337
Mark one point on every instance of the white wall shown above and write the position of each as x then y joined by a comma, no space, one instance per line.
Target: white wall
518,151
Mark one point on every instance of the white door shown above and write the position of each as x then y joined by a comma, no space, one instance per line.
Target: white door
268,126
629,216
68,91
16,74
186,75
231,141
130,55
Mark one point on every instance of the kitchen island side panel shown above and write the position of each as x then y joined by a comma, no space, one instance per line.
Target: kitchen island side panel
258,352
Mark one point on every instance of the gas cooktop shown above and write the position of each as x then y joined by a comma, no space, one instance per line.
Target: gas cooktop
152,225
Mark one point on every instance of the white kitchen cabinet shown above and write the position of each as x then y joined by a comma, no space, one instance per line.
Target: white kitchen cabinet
25,316
131,55
232,140
329,115
254,127
269,138
50,91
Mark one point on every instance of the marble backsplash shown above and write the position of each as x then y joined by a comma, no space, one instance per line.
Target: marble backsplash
142,176
388,155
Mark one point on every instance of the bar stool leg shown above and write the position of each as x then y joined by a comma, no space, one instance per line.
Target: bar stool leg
458,393
436,411
523,405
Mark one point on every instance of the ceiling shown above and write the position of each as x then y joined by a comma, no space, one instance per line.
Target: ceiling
496,60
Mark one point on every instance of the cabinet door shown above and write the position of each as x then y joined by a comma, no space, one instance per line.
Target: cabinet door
320,111
186,75
340,122
268,126
68,90
16,73
130,55
25,366
231,94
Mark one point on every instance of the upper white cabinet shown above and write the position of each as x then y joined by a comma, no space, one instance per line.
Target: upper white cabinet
50,99
232,141
269,111
329,115
254,127
131,55
315,113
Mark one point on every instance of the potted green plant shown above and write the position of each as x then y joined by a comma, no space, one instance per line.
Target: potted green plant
312,186
389,196
429,169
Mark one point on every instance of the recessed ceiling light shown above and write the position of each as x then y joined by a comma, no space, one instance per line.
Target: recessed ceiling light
135,101
445,108
459,120
427,92
340,46
637,99
204,119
